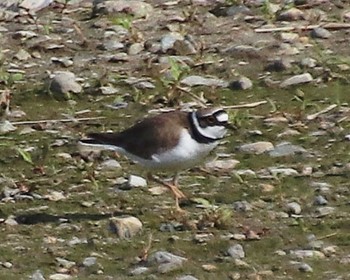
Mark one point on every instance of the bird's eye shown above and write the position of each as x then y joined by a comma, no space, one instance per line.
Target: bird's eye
211,119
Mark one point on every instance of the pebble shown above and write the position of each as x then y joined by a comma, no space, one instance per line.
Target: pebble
286,149
283,171
320,200
194,80
308,62
139,270
60,276
289,37
293,208
136,181
242,83
64,83
256,148
89,261
7,264
296,80
301,254
110,164
324,211
304,267
224,164
125,227
167,261
292,14
167,42
321,33
186,277
242,206
138,9
37,275
22,55
65,263
236,251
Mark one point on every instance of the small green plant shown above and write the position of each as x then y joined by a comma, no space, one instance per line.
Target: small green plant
123,20
25,155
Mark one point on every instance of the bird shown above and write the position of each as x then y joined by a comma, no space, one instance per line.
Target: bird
170,141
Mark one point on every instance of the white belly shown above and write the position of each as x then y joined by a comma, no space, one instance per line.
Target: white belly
186,154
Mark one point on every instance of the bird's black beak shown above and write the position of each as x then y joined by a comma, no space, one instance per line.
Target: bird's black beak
230,126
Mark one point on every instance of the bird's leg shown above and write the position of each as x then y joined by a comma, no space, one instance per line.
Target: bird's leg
172,187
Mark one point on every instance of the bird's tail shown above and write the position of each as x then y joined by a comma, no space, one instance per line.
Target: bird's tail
104,141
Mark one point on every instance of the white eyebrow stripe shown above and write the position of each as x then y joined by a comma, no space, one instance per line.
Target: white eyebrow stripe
223,117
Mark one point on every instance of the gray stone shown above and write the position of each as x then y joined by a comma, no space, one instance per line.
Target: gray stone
293,208
135,48
297,79
89,261
223,164
278,65
167,42
112,45
136,181
125,227
6,126
194,80
308,62
35,5
236,251
292,14
64,82
186,277
110,164
242,83
256,148
286,149
60,276
304,267
37,275
65,263
321,33
22,55
324,211
242,206
283,171
161,257
139,270
168,267
139,9
302,254
320,200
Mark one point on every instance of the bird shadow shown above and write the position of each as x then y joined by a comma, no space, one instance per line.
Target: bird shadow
44,218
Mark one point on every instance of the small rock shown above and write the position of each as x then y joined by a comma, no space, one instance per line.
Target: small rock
308,62
286,149
324,211
139,9
256,148
6,126
136,181
289,37
224,164
301,254
209,267
242,206
236,251
64,83
60,276
320,200
11,221
297,79
329,250
111,45
55,196
22,55
293,208
110,164
7,264
34,6
321,33
192,81
293,14
275,171
304,267
135,48
65,263
161,257
242,83
167,42
186,277
37,275
139,270
125,227
89,261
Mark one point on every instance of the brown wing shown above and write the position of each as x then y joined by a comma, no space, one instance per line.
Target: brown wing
151,136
